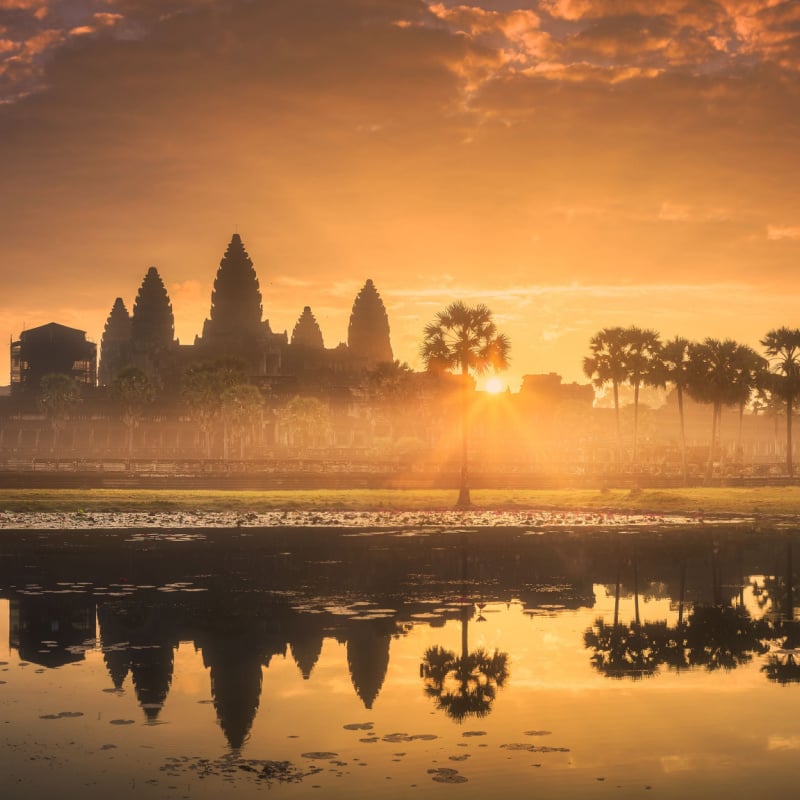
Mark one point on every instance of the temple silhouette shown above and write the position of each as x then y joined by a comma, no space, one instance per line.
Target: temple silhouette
236,329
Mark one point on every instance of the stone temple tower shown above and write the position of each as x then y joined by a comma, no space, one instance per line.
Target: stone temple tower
368,333
234,327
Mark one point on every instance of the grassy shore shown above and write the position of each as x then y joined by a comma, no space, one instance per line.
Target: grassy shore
767,500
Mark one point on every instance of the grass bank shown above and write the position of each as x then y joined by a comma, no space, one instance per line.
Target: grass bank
763,500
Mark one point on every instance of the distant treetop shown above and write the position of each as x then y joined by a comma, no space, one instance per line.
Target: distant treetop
368,332
307,332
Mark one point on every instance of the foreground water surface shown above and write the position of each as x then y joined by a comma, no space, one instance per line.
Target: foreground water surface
399,663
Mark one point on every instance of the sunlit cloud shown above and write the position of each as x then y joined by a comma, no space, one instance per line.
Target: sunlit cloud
776,233
778,742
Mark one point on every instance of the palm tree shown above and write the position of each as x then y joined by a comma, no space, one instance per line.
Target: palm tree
714,377
782,347
674,370
464,338
641,350
752,371
607,365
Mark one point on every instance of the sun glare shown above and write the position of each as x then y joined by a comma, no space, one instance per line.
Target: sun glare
495,385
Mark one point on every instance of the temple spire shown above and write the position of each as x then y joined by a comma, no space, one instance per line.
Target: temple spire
307,332
236,299
115,344
152,325
368,332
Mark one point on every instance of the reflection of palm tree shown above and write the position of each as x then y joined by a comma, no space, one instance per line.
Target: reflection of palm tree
464,685
783,664
623,651
721,637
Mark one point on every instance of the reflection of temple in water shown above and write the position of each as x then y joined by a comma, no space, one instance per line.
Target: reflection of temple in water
51,630
140,639
294,603
368,656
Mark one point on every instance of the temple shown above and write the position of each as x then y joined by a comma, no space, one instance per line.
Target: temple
236,330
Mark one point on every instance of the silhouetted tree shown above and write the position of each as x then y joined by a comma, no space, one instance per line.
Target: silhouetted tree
307,419
714,378
242,404
202,391
752,376
133,391
606,365
59,397
465,339
674,369
641,350
782,346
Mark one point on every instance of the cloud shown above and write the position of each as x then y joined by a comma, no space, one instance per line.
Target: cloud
776,233
602,146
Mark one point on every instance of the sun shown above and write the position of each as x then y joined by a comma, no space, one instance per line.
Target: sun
495,385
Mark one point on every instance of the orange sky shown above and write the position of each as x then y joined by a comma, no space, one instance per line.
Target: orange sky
571,163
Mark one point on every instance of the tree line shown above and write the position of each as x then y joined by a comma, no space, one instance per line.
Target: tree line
716,372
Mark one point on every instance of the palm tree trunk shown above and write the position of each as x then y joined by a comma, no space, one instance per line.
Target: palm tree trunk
635,418
789,465
739,434
684,466
129,428
616,591
463,490
712,445
619,427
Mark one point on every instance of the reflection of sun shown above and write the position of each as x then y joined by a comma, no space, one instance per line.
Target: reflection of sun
495,385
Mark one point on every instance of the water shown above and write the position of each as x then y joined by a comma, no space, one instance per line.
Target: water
383,664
